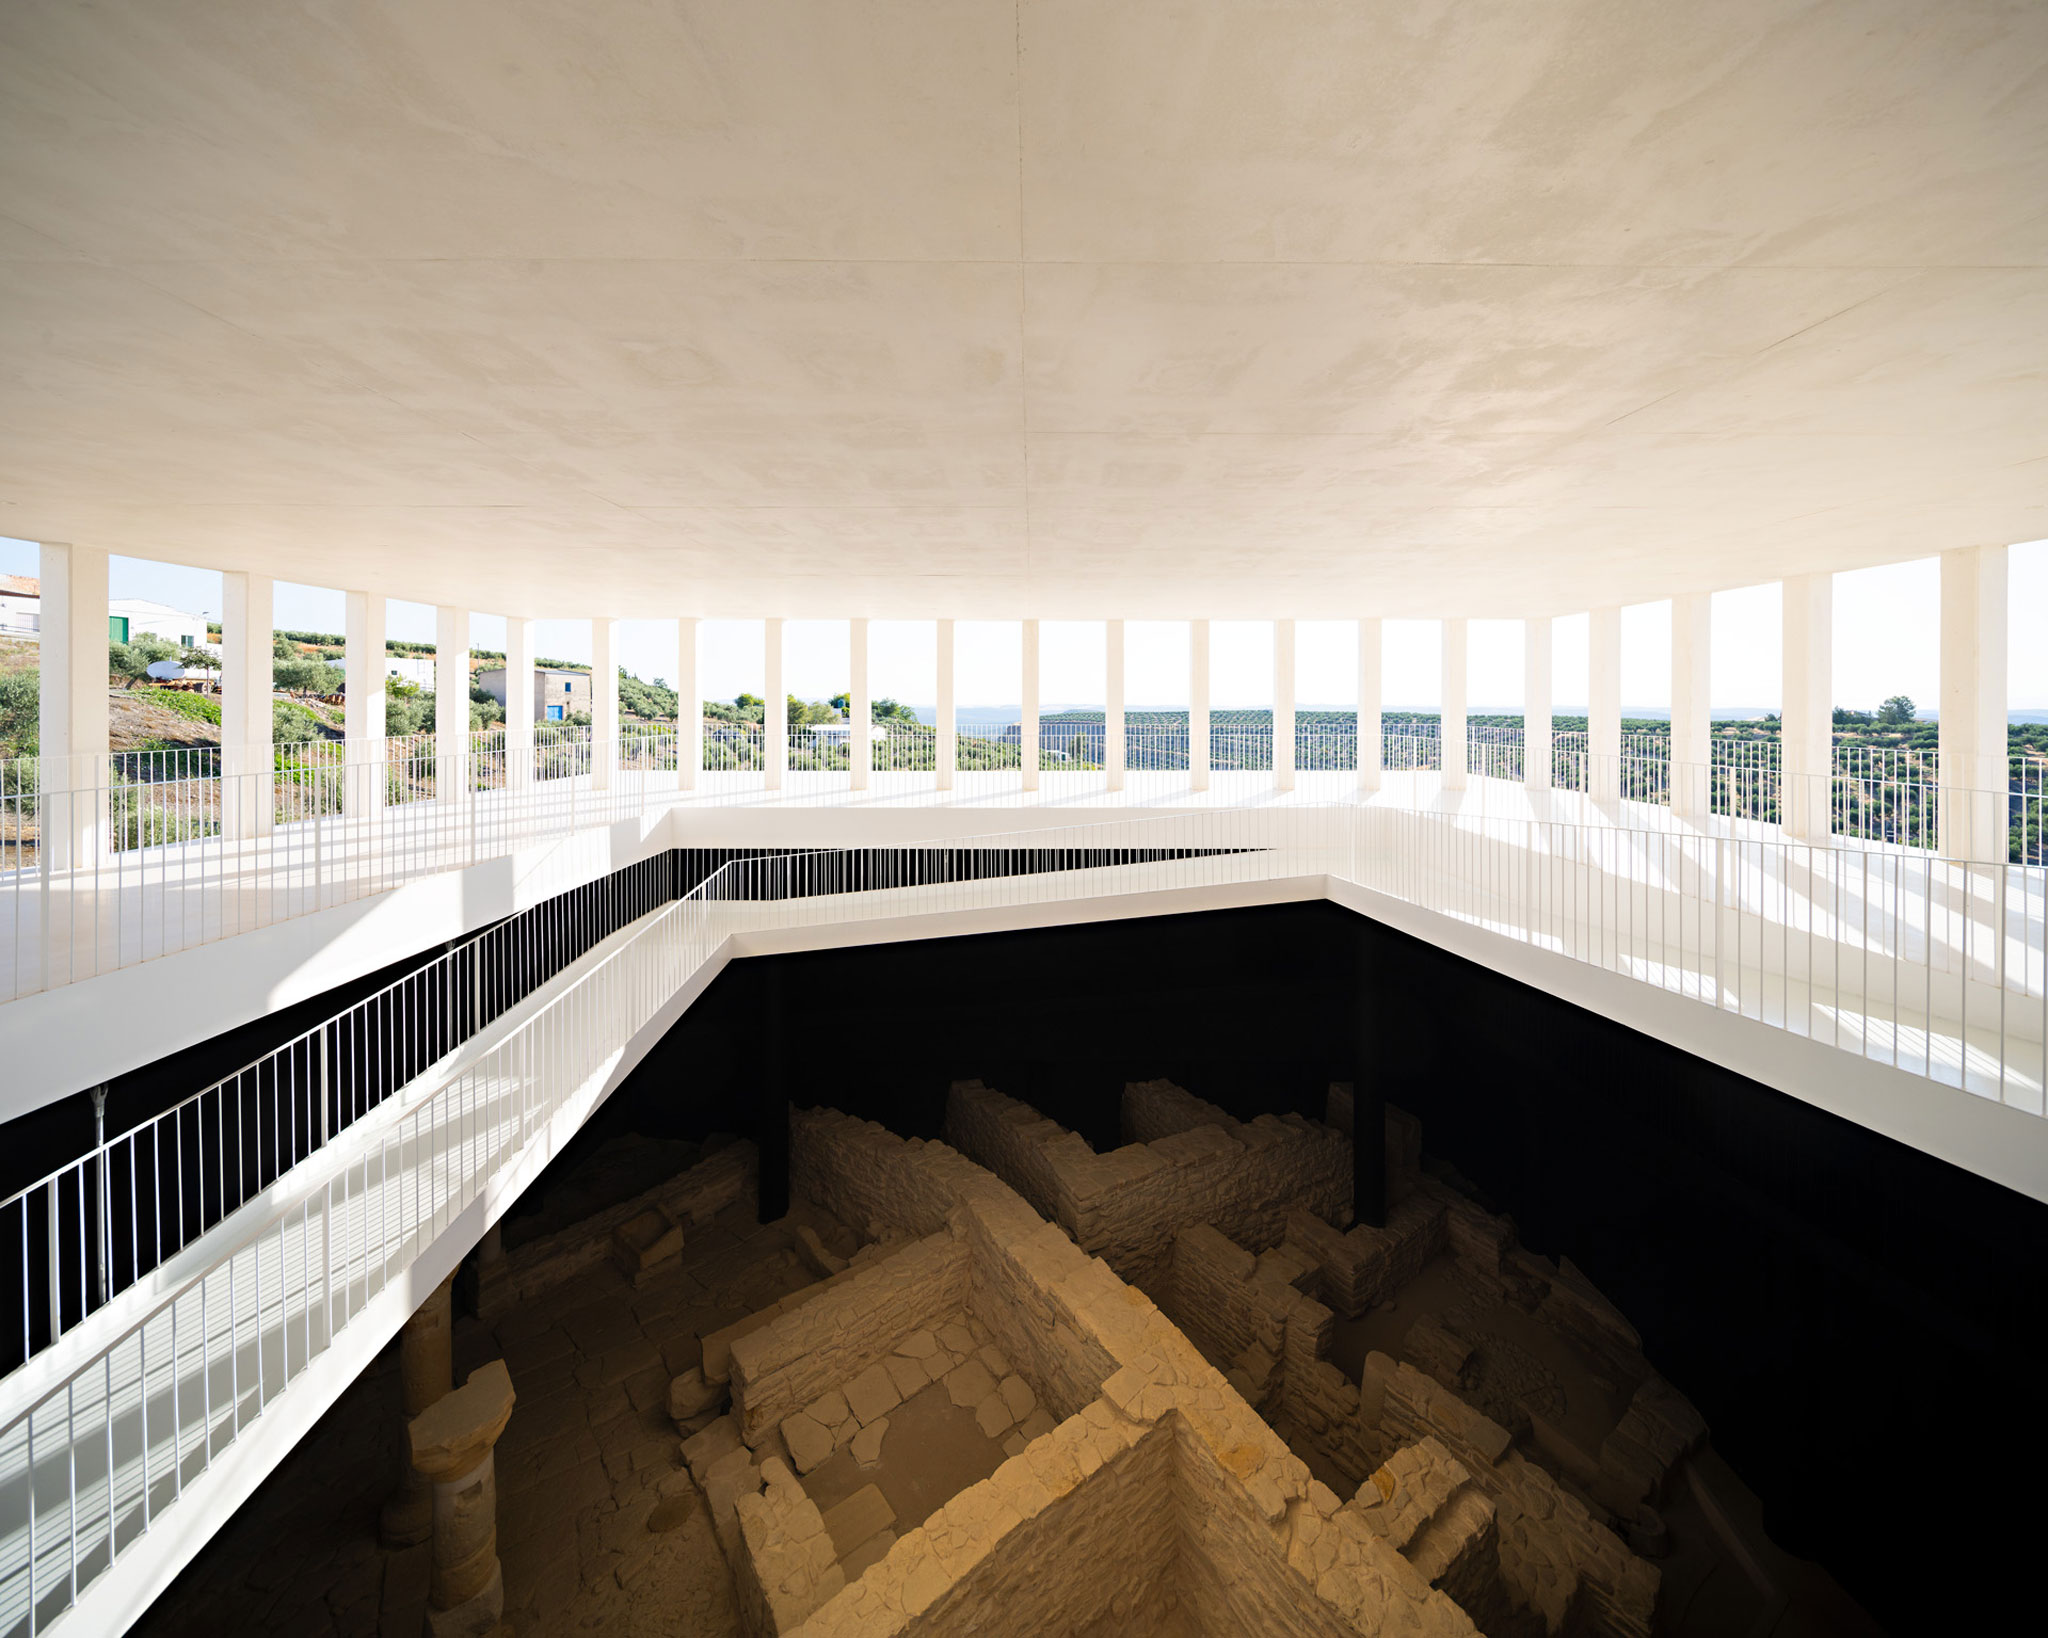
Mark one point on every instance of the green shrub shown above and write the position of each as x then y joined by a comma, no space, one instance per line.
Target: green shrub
199,707
306,676
292,724
138,825
20,713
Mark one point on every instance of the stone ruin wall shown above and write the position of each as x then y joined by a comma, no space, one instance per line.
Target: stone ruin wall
1127,1205
854,1323
1554,1555
1251,1311
1242,1576
1296,1561
694,1196
1080,1538
871,1179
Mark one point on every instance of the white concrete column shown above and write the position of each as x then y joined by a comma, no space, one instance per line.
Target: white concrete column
775,716
1027,734
689,706
1806,732
364,784
1114,756
946,744
521,707
1536,703
1451,713
1283,705
604,703
1974,771
452,742
860,760
1198,705
1692,657
72,724
249,786
1371,746
1603,708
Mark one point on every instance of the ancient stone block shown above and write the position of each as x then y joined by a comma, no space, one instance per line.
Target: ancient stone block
1017,1395
644,1242
872,1394
705,1447
969,1384
1037,1424
867,1444
870,1552
909,1375
689,1395
810,1443
852,1521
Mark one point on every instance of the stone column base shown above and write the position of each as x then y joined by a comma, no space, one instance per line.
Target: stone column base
476,1617
408,1518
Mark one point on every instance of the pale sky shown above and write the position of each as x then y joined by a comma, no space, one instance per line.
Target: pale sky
1886,642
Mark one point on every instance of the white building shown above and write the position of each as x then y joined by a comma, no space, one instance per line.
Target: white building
417,669
1491,317
21,606
132,617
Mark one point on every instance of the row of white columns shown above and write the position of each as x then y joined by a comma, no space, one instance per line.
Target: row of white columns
1972,711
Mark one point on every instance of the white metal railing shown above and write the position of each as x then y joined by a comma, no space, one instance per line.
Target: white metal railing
110,861
1494,751
106,862
79,1236
1930,964
101,1443
733,748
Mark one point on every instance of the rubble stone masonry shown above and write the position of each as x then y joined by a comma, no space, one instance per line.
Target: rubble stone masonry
1252,1543
854,1322
1555,1557
1126,1206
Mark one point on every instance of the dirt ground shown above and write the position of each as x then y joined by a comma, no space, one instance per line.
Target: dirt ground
599,1526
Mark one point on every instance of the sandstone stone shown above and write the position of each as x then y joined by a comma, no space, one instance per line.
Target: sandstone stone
993,1361
867,1444
646,1241
689,1395
1037,1425
918,1345
969,1384
872,1394
852,1521
670,1513
1018,1396
956,1339
908,1374
815,1252
1015,1444
828,1410
737,1461
810,1443
456,1432
870,1552
993,1416
701,1449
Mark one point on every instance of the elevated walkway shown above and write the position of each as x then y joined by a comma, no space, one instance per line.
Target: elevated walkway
126,1440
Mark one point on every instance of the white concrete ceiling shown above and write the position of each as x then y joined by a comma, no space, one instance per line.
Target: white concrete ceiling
1064,307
